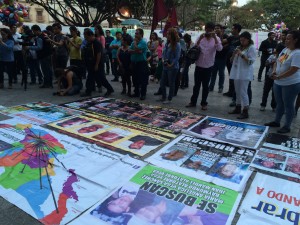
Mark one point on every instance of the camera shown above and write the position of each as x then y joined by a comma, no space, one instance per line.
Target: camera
26,38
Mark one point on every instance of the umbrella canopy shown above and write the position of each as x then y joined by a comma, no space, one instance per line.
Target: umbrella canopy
132,22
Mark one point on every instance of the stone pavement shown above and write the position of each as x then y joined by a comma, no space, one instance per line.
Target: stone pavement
218,107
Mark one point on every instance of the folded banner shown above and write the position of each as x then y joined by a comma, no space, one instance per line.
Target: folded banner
282,164
53,177
159,196
271,201
219,163
228,131
139,115
112,134
282,142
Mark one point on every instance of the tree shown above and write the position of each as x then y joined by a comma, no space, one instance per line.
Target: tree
79,12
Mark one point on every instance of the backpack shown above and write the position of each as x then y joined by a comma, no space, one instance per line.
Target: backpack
193,53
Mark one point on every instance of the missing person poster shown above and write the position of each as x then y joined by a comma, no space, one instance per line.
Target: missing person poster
156,117
278,162
282,142
271,201
215,162
228,131
110,134
159,196
9,111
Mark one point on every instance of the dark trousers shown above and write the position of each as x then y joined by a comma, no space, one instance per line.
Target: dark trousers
9,68
19,65
249,91
140,76
201,76
47,70
35,70
185,73
61,61
268,86
263,60
108,61
95,77
231,81
115,68
126,79
79,63
219,66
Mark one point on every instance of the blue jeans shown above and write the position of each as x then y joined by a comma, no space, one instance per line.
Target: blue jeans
219,66
47,70
285,97
168,76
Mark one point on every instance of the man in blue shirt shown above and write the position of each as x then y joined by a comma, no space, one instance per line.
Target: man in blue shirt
140,70
114,46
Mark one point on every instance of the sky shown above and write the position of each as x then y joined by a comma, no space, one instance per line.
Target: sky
242,2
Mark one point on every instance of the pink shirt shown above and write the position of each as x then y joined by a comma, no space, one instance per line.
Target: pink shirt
159,51
208,52
102,40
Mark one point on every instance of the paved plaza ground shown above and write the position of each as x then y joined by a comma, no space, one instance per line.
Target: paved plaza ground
218,107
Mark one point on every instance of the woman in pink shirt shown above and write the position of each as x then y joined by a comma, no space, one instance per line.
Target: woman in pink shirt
99,33
209,43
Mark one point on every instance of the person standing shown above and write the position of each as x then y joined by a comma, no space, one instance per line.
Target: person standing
6,56
187,62
18,54
232,42
267,48
126,35
94,59
242,73
140,73
108,40
152,46
171,55
220,62
114,46
286,75
209,43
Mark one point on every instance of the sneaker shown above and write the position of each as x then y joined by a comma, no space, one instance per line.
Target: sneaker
262,108
228,94
190,105
166,102
284,130
204,107
272,124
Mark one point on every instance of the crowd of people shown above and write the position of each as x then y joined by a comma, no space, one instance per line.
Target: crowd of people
69,59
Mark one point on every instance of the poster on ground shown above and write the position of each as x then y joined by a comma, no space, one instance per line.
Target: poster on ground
159,196
156,117
228,131
40,172
282,142
9,111
219,163
278,162
113,135
271,199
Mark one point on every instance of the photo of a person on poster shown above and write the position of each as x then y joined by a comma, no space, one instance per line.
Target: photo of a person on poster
293,166
90,129
173,155
108,136
268,163
238,137
72,122
229,171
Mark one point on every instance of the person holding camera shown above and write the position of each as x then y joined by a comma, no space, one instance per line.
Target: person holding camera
6,56
171,55
209,43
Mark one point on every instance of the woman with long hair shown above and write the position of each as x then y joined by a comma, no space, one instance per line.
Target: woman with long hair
6,56
286,76
242,72
99,34
74,46
171,56
152,46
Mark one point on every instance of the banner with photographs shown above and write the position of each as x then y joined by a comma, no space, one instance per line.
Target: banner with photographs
279,162
53,177
112,135
282,142
271,201
219,163
159,196
156,117
39,113
229,131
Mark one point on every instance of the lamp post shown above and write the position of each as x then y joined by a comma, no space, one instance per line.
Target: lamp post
234,3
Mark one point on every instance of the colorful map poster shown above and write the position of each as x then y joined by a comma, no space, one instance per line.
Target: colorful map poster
278,162
282,142
219,163
228,131
9,111
271,201
159,196
113,134
156,117
40,172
